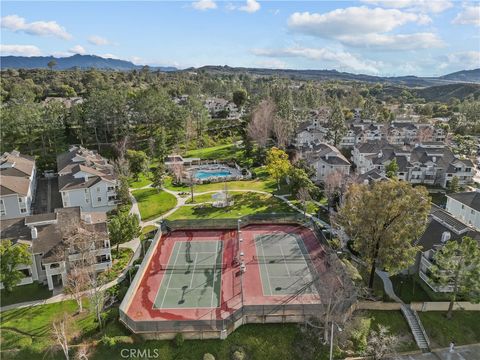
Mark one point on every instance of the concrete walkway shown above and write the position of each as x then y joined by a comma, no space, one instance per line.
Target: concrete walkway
465,352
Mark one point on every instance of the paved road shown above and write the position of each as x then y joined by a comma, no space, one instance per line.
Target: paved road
467,352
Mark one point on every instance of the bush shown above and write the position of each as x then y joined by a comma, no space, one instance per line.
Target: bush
238,354
178,340
359,334
208,356
108,341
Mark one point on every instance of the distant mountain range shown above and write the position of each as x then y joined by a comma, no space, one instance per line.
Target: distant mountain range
71,62
93,61
464,76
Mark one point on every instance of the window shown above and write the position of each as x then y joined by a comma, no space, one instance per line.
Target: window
472,212
23,211
1,201
99,199
20,199
98,189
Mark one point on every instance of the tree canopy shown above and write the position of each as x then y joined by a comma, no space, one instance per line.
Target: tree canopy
12,255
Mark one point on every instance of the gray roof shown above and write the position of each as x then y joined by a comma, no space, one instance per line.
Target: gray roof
469,198
439,222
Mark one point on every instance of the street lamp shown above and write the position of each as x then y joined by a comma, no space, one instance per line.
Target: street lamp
331,338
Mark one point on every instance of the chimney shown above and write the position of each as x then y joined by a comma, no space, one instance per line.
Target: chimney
85,177
446,235
34,232
434,159
88,218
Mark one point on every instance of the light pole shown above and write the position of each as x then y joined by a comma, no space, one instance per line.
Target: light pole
331,338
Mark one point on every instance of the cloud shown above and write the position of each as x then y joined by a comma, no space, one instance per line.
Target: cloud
109,56
433,6
465,60
21,50
365,27
16,23
77,49
204,5
251,6
272,64
394,42
98,40
470,15
342,58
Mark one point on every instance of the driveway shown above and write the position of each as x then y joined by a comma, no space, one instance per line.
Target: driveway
467,352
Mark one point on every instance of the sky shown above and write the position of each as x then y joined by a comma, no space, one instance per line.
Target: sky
377,37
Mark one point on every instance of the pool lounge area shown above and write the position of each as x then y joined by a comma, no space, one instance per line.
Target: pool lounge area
216,173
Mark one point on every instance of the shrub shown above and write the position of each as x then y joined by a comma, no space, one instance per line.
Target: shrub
359,334
208,356
178,340
108,341
239,354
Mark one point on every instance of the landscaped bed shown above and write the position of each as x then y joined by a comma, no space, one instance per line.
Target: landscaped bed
244,204
153,203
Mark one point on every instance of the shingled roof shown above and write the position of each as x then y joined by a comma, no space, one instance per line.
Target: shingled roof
468,198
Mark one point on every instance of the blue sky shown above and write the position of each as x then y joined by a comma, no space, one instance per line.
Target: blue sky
380,37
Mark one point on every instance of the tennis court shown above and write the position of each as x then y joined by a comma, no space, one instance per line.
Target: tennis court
284,264
192,277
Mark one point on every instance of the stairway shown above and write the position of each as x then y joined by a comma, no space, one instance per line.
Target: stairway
416,327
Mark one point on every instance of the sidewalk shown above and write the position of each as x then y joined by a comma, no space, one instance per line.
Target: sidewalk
465,352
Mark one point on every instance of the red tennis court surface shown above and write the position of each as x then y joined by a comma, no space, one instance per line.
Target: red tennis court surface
274,271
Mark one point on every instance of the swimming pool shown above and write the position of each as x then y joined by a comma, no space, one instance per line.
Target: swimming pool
205,174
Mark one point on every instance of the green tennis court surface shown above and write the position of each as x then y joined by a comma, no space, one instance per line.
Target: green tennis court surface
283,264
192,277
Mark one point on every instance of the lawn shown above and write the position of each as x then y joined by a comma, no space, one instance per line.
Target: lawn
463,328
312,208
220,152
153,203
408,288
143,180
35,291
30,328
255,184
244,204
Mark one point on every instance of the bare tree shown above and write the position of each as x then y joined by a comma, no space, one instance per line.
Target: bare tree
82,353
177,171
303,196
424,134
260,127
77,283
381,344
281,132
333,185
337,292
61,334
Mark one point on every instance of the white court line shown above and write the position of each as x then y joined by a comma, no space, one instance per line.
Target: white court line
193,272
284,259
214,272
168,283
266,268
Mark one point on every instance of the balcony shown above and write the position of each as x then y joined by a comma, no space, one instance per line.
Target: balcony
432,285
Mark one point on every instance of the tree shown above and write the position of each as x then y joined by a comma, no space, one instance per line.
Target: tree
260,126
299,179
332,187
278,164
137,162
62,334
123,227
384,220
453,185
303,196
239,97
369,111
51,64
336,123
123,192
158,176
458,264
11,256
160,143
391,169
381,343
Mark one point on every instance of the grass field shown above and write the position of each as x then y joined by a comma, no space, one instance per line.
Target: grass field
244,204
256,184
35,291
30,328
463,328
153,203
143,180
